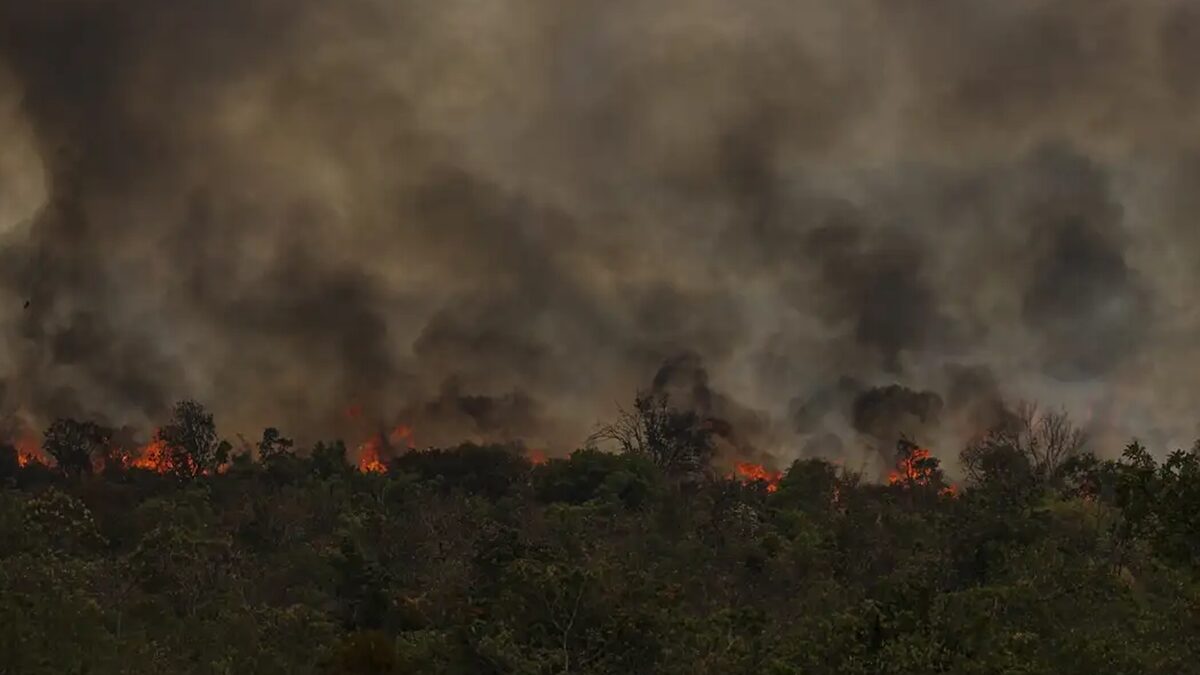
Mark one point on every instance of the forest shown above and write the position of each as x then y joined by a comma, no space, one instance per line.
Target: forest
643,552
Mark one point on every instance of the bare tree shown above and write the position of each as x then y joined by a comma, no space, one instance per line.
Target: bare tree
679,441
1043,440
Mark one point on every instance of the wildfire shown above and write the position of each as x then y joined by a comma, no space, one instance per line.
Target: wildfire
371,451
155,456
910,468
28,451
368,459
536,457
151,457
757,472
914,468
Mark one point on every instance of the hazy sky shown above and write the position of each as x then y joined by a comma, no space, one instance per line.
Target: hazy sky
497,219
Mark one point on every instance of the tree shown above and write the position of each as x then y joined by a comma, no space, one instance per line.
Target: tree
592,474
918,471
489,470
190,441
998,468
329,459
273,445
813,485
1035,442
74,445
681,442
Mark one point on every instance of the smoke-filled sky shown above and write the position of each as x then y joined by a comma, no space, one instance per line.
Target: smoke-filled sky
499,219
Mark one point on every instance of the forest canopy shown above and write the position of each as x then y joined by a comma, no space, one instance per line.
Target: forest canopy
185,558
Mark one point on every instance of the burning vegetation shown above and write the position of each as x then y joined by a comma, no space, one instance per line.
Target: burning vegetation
677,441
490,537
372,453
402,224
370,460
918,467
754,473
151,457
25,458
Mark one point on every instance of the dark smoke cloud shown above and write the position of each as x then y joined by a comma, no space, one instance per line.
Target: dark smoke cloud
809,413
684,380
888,414
503,219
454,417
974,396
876,286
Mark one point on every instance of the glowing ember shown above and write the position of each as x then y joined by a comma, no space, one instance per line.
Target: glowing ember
757,472
536,457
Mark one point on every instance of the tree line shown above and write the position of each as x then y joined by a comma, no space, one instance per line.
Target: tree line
642,558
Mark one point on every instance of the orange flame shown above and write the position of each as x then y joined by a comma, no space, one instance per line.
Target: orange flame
750,473
536,457
371,451
29,451
909,469
151,457
369,457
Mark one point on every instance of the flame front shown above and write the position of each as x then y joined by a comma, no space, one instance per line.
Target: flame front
757,472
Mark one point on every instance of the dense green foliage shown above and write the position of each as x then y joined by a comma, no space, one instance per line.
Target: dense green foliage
472,560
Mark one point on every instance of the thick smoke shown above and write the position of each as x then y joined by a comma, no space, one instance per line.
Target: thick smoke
498,220
893,412
740,432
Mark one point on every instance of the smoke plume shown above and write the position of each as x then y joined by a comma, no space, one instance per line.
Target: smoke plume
500,219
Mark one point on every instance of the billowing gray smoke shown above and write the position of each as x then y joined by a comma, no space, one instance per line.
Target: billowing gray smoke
500,219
